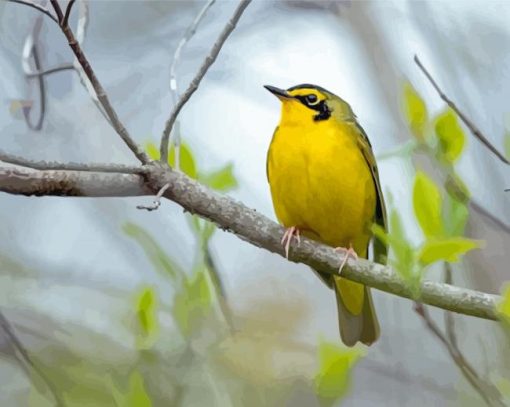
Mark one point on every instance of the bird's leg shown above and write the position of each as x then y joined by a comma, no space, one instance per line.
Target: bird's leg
347,253
287,238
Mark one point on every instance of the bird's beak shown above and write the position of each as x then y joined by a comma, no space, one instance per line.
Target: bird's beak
279,93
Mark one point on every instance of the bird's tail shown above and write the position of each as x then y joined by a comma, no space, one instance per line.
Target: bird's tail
356,313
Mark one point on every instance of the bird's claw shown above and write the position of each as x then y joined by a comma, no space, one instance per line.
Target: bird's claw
347,253
287,238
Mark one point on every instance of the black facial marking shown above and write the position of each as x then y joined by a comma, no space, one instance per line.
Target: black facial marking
321,107
324,112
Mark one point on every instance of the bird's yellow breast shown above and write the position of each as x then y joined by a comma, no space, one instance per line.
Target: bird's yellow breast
320,182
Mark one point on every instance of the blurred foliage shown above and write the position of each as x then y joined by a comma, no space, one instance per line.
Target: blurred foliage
450,135
504,306
146,308
441,213
333,377
415,110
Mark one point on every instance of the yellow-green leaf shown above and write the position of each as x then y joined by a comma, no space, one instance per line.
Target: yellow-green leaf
146,311
504,306
427,205
222,179
457,214
135,395
332,380
450,135
186,161
152,150
415,110
450,249
192,303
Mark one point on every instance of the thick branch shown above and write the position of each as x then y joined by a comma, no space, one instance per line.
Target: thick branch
470,125
246,223
193,86
70,183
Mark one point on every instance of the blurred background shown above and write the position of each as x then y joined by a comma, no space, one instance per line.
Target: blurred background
117,306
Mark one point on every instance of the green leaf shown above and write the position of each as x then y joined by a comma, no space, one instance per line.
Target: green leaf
415,110
332,380
457,215
449,249
504,306
146,313
135,396
427,205
153,251
405,263
507,145
222,179
450,135
152,150
186,161
192,303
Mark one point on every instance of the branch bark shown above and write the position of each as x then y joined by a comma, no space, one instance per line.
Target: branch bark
246,223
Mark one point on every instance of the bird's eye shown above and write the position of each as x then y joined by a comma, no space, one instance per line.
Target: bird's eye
311,99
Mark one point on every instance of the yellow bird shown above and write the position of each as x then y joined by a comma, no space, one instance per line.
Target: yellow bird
325,185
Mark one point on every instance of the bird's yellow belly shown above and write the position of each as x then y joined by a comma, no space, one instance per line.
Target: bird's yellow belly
324,187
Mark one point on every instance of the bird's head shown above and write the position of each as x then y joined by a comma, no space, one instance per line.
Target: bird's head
308,104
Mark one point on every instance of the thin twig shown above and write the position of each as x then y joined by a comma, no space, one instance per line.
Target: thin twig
487,391
53,165
470,125
45,72
193,86
81,32
176,139
36,6
31,50
26,360
68,12
157,200
58,10
219,288
99,90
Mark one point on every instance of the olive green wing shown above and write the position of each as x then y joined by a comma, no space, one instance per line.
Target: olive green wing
380,248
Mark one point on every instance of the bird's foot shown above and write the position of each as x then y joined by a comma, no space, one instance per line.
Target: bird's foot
347,253
287,238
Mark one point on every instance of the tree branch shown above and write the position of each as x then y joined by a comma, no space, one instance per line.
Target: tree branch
68,12
246,223
489,393
49,71
470,125
173,75
53,165
19,181
193,86
98,88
